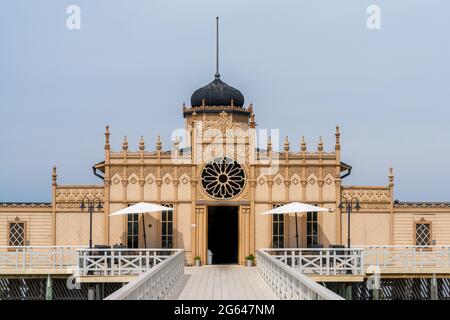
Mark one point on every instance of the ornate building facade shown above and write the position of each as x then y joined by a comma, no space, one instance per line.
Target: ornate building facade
218,182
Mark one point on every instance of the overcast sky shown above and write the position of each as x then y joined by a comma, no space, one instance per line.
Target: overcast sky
305,65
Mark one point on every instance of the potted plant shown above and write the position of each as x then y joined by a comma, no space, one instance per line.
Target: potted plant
197,261
249,260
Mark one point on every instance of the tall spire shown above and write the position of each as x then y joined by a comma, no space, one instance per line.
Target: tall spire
217,49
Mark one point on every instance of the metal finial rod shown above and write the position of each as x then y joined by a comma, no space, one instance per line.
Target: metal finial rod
217,48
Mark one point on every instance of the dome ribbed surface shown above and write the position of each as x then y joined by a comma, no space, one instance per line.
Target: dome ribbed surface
217,93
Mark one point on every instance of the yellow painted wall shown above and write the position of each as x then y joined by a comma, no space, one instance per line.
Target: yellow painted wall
38,222
263,227
366,228
404,233
72,228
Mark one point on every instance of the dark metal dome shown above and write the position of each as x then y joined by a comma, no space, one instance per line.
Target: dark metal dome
217,93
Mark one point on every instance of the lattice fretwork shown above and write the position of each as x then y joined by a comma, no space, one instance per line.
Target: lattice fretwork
17,234
423,234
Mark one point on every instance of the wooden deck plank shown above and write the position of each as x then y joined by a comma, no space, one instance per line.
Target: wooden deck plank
236,287
217,289
255,289
225,286
245,284
223,282
199,288
209,283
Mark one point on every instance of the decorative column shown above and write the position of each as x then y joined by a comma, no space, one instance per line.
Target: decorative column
338,181
287,182
141,189
201,233
303,177
244,234
320,184
54,186
270,177
338,211
391,205
269,200
252,179
194,183
158,190
320,177
141,173
176,183
252,231
194,224
124,180
107,184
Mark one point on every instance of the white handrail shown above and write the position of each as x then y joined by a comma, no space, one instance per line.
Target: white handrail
388,257
321,261
156,283
288,283
38,257
120,262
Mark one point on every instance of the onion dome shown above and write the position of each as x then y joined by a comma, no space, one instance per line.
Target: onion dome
217,93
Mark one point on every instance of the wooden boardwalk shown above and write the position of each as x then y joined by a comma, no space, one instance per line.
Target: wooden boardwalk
222,282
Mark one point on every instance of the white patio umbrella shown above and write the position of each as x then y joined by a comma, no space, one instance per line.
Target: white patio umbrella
296,207
142,208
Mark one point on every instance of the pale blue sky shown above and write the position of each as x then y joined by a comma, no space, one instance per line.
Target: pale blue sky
306,66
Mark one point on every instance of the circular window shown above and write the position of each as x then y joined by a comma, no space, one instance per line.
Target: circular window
223,178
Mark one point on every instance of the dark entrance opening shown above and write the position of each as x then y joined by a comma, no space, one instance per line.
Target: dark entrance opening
223,234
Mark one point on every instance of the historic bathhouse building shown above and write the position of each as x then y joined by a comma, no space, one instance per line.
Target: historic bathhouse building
218,194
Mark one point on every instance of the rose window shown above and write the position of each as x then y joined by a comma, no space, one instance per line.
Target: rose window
223,178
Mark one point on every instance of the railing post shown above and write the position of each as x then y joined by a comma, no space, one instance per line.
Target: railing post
334,256
300,261
105,262
377,259
80,255
30,257
292,258
362,271
61,254
113,262
119,265
448,257
17,259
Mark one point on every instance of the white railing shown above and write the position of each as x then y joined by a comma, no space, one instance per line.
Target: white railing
38,257
328,261
156,283
397,257
119,262
288,283
365,259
